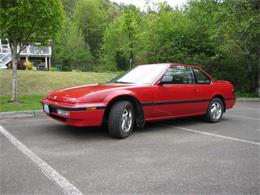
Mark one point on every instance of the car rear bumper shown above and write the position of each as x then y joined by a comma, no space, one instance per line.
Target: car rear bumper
79,115
230,102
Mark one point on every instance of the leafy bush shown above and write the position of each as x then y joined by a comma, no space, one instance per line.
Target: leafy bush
28,65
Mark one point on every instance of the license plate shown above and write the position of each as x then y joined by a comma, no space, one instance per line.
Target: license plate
46,108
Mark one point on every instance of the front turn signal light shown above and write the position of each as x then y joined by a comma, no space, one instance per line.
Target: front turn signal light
91,108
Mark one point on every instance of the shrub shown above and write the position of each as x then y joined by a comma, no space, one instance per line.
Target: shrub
28,65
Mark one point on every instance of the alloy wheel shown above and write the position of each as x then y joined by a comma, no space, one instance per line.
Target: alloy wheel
216,110
126,120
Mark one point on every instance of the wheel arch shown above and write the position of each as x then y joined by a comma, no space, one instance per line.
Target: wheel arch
222,99
139,114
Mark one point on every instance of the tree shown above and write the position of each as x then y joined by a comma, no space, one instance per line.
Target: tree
220,35
69,6
121,39
171,36
232,30
240,28
23,22
70,49
90,18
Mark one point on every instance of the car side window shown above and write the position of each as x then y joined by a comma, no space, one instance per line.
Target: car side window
180,74
200,77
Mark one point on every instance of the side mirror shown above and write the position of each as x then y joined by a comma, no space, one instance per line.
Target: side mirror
165,80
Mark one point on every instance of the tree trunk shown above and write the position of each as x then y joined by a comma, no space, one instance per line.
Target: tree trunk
131,52
14,72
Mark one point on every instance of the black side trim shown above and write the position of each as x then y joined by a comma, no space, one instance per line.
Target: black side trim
101,107
173,102
230,98
74,109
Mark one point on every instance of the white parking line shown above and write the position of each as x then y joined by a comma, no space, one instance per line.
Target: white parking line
46,169
245,117
219,136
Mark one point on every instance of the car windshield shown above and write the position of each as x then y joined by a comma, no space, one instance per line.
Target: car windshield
144,74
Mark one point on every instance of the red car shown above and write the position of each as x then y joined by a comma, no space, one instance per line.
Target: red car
146,93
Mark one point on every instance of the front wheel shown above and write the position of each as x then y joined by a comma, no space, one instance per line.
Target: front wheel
215,110
121,119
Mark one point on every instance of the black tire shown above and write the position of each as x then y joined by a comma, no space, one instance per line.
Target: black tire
115,119
210,116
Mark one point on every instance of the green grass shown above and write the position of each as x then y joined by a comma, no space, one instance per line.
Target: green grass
41,82
33,85
25,103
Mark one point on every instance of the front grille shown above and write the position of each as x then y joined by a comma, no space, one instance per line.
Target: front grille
52,109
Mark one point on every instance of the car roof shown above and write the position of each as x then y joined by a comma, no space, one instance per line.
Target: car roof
178,64
159,64
173,64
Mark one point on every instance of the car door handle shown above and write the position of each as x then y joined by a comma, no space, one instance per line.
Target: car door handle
196,90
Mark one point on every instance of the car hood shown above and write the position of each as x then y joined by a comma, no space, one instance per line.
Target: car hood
70,95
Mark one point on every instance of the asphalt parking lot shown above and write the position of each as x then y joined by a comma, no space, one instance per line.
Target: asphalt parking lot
184,156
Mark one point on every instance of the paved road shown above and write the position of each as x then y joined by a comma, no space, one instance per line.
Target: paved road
184,156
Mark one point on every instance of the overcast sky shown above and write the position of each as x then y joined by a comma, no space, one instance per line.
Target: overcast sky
141,3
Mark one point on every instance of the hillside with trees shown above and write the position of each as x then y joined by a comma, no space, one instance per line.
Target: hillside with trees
222,36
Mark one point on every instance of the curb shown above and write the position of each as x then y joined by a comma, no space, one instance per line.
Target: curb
248,99
36,113
18,114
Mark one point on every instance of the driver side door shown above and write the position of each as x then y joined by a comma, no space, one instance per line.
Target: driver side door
175,98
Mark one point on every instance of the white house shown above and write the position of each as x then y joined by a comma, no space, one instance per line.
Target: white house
35,53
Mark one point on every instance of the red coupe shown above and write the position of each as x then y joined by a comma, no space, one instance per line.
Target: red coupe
146,93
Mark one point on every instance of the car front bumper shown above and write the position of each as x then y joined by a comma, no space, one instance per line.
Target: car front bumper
78,114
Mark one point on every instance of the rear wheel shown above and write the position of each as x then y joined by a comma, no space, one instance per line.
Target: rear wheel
215,110
121,119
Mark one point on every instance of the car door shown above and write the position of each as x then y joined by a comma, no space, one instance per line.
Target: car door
204,90
175,98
